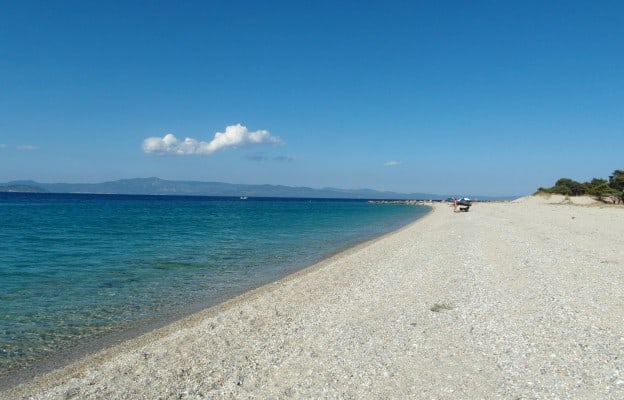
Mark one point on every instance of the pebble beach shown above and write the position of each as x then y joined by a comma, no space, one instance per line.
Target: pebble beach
511,300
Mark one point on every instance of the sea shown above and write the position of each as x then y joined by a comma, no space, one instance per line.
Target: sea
75,268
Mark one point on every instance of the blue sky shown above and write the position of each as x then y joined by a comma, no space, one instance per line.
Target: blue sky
459,97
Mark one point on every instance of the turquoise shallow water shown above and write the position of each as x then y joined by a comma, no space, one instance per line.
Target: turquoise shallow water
76,267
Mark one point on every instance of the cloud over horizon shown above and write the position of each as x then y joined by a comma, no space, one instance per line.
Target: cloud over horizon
262,157
27,147
392,164
234,136
285,158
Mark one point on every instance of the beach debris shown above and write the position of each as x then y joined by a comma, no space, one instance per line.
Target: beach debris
441,307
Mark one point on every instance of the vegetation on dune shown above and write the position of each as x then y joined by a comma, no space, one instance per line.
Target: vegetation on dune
608,191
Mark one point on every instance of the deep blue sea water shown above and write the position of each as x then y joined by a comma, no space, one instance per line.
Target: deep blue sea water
77,267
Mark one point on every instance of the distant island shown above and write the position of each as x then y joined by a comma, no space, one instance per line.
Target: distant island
157,186
22,189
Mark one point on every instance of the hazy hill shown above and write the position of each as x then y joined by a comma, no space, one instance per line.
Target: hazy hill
156,186
21,188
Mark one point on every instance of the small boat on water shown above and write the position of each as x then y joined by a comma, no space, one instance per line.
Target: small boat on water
243,197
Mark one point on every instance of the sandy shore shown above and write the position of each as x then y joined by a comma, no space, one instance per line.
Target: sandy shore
511,300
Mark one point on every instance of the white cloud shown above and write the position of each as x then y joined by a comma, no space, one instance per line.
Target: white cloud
27,147
257,156
392,164
2,146
263,157
285,158
234,136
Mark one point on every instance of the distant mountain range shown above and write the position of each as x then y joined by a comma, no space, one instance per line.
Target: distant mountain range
156,186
